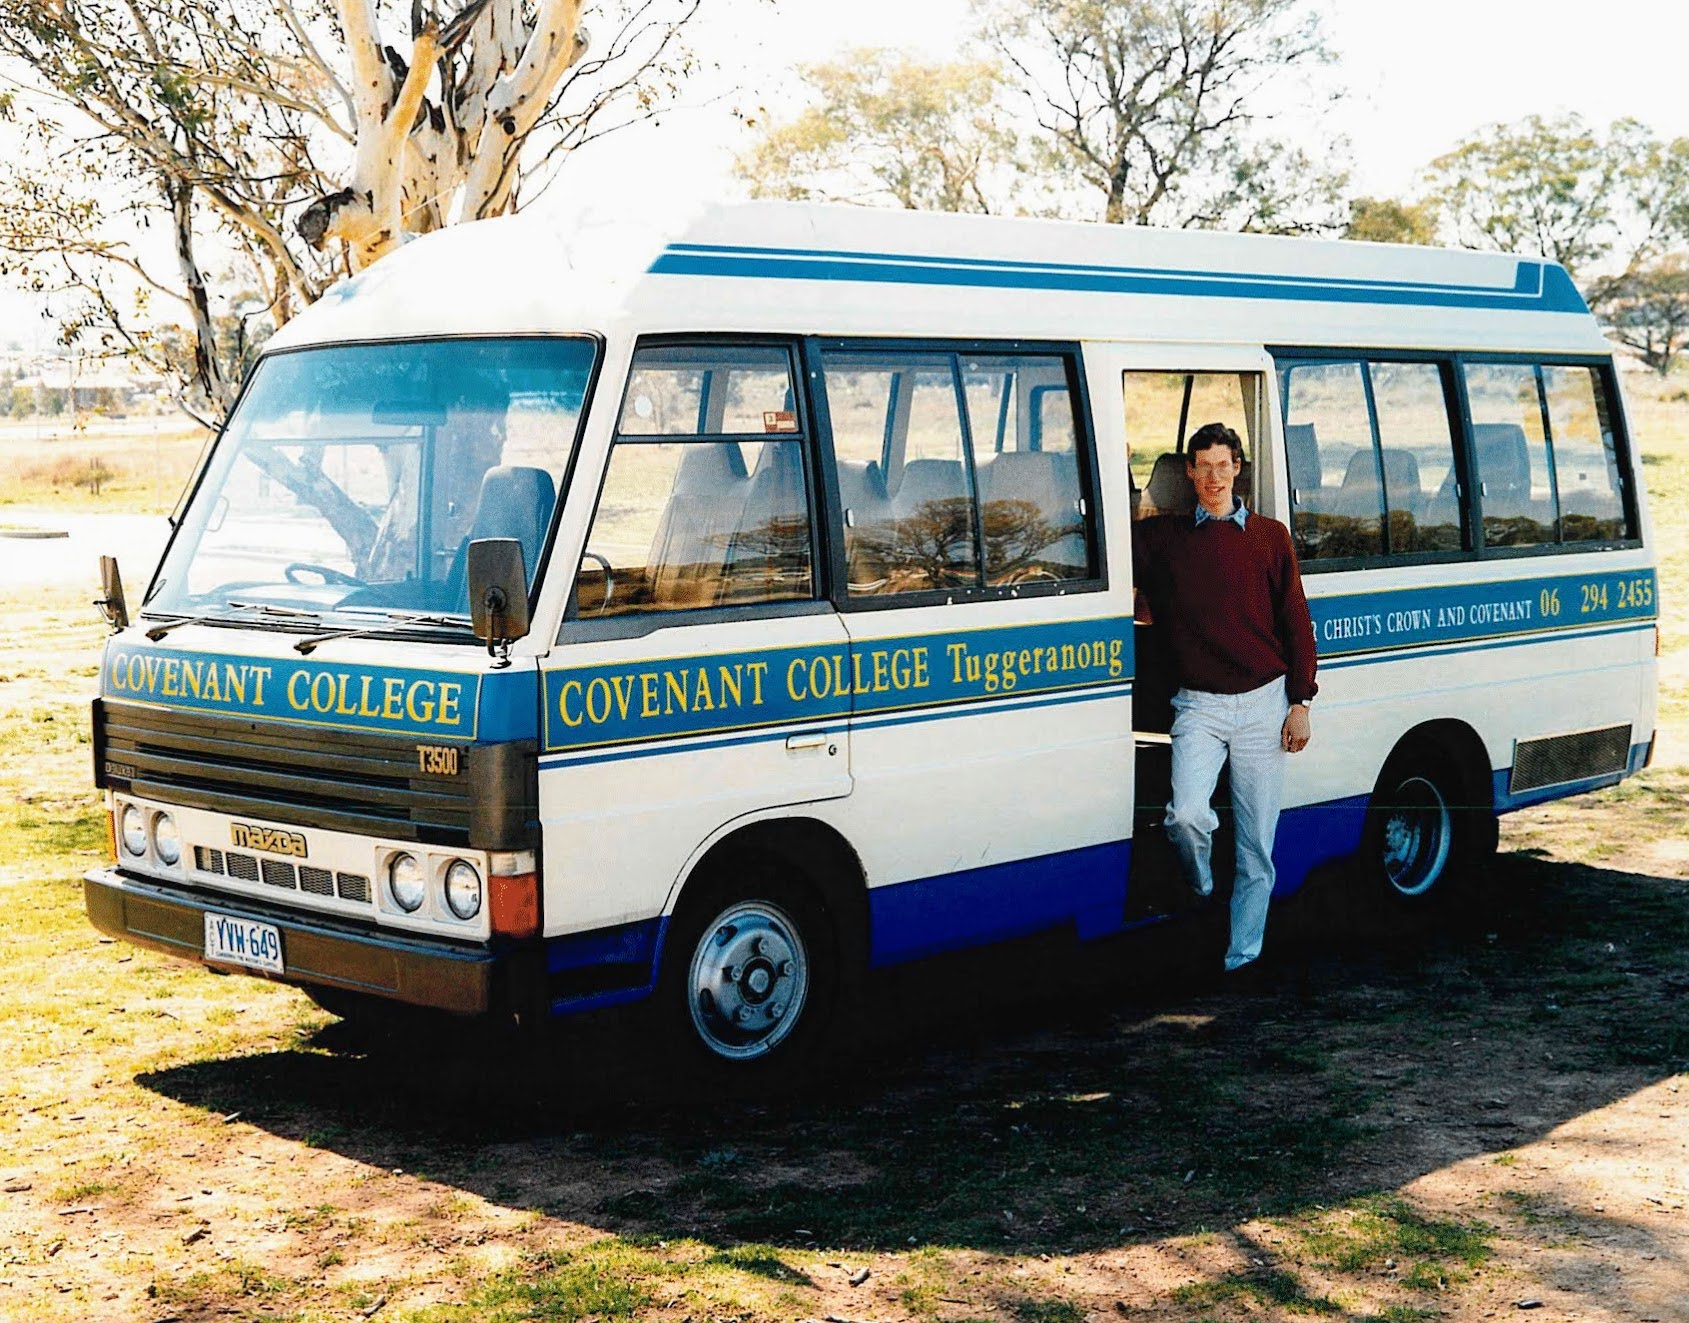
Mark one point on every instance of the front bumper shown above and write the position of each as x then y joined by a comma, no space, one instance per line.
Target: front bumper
315,949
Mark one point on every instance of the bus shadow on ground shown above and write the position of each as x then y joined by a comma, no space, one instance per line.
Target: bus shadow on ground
1047,1098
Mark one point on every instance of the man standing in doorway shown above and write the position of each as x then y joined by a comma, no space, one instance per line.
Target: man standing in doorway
1224,587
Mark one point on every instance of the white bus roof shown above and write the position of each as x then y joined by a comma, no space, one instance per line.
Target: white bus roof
836,270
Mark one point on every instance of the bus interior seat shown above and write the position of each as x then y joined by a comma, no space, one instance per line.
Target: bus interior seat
515,501
773,527
1047,481
862,493
1302,458
688,548
1169,489
925,481
1504,468
1359,493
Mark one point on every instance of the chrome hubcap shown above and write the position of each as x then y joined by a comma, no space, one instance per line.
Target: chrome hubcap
748,980
1417,837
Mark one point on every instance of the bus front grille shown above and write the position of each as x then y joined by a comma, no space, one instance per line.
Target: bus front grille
370,785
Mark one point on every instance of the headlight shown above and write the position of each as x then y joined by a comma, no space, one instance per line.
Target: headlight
405,882
132,827
165,840
463,890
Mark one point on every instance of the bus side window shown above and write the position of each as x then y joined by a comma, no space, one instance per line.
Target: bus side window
1416,447
1325,410
1027,469
1586,462
911,524
705,500
1515,492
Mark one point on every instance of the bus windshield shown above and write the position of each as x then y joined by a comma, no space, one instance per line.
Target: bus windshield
351,480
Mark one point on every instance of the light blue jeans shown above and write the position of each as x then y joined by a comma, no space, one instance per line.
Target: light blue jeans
1246,728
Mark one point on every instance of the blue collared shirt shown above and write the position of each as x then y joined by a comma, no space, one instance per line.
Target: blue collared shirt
1238,515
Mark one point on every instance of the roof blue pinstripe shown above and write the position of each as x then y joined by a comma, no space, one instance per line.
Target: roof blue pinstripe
1537,286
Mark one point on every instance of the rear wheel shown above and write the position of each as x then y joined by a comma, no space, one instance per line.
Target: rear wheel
1429,825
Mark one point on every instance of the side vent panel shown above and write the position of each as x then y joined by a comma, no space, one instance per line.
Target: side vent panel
1560,759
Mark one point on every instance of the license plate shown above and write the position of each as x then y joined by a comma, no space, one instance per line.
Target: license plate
232,941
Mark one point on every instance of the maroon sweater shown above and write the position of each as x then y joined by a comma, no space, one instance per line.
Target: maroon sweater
1229,602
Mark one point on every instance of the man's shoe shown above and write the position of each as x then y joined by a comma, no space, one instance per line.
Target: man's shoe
1247,979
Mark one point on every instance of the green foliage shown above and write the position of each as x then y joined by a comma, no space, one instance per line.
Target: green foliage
890,129
1153,109
1647,309
1391,220
1538,186
1271,1288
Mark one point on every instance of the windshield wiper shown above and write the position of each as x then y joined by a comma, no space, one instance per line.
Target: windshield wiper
263,608
306,646
270,609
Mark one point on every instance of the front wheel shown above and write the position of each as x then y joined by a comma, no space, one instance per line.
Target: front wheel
751,974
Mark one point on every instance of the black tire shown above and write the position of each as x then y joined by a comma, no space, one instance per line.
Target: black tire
1429,827
753,971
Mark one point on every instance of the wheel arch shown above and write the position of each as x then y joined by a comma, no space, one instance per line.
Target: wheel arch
819,851
1459,742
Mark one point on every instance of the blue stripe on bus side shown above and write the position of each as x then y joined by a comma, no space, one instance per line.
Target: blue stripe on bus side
1537,286
1415,652
947,713
641,699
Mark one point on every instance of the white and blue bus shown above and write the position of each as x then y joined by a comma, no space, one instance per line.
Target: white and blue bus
550,630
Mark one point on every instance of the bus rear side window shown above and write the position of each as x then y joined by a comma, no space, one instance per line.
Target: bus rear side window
1586,462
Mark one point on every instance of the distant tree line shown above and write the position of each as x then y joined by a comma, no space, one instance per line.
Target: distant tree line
1174,113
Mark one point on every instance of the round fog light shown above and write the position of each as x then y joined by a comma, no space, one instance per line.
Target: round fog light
405,882
166,840
132,825
463,889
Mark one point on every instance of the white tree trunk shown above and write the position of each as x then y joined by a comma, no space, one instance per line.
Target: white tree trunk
420,161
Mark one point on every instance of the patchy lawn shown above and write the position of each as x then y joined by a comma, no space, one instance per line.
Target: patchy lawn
1436,1121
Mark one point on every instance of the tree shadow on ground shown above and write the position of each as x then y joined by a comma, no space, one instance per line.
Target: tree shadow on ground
1047,1098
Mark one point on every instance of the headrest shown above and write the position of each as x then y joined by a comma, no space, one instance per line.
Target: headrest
709,468
1169,487
516,502
1302,450
1503,456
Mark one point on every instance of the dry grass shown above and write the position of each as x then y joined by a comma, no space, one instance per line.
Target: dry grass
137,466
1437,1125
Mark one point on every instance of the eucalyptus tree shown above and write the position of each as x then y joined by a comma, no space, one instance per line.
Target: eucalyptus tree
281,144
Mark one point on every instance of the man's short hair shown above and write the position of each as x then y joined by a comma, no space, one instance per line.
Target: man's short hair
1211,435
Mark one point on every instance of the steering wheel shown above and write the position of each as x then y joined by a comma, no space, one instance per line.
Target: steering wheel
325,573
609,580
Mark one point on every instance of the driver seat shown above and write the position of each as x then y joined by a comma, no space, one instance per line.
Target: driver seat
515,502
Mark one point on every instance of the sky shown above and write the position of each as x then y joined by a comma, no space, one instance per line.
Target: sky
1420,77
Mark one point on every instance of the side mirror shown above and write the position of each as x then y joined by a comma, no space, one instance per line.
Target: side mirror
498,594
112,604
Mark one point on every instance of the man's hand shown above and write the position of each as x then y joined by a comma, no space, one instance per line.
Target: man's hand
1297,729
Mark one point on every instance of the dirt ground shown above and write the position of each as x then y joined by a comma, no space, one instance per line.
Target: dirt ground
1448,1122
1480,1116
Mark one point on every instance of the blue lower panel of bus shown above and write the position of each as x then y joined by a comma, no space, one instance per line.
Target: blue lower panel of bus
1083,888
980,905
